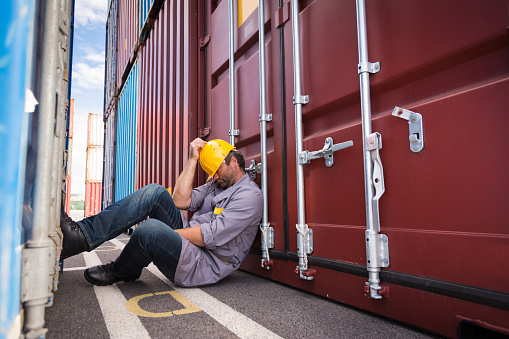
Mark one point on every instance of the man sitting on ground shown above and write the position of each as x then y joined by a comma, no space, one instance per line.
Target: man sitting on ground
197,252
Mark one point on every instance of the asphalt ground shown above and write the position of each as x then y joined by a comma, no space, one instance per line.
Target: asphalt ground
241,305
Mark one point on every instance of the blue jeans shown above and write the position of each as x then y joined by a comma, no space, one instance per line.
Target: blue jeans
154,240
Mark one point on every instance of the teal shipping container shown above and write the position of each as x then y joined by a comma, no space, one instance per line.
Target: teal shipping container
145,6
126,136
14,32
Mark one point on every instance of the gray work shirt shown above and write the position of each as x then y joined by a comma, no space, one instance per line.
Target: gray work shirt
229,220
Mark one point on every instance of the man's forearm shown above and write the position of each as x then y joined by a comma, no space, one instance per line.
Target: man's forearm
193,234
184,185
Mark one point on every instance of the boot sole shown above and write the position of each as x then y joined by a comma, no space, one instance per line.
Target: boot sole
100,283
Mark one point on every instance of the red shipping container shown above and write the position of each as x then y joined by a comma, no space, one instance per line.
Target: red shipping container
128,31
445,208
93,191
168,95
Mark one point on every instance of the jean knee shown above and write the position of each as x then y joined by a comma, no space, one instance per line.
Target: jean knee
153,189
153,231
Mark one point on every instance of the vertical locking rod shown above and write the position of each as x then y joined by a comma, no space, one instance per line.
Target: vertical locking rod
372,164
233,132
265,228
303,232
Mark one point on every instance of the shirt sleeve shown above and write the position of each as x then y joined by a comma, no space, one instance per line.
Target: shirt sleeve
198,196
244,209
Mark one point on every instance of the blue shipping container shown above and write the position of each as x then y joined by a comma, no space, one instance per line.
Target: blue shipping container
126,136
145,6
16,19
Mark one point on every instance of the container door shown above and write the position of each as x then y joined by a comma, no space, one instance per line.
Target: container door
444,209
216,119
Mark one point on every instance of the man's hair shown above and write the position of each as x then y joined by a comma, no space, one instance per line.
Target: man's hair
238,156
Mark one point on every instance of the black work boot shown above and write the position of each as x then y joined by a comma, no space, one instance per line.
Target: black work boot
74,241
103,275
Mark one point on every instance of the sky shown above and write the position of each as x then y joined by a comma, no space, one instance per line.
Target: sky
87,86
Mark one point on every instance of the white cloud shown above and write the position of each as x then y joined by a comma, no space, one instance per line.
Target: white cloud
95,57
90,12
88,77
76,91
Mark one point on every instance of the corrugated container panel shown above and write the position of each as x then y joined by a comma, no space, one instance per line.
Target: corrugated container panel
93,191
94,171
125,170
144,9
95,130
168,103
109,159
128,31
69,158
111,51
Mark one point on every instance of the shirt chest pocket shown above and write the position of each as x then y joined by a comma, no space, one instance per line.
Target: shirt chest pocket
218,210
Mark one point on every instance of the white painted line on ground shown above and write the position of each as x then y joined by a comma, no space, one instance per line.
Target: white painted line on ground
75,269
119,321
236,322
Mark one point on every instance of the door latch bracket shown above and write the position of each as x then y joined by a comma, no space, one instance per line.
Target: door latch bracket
254,169
377,250
327,152
370,67
235,132
303,99
416,135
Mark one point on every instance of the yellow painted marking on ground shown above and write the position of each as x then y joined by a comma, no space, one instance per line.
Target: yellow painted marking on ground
106,248
133,305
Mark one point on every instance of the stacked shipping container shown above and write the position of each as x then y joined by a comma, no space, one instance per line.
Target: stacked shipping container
94,170
167,96
127,113
69,159
111,51
109,158
110,102
174,84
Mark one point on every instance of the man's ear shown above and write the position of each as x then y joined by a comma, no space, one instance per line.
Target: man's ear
233,160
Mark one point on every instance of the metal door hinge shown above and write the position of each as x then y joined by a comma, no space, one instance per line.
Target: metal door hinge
370,67
202,42
416,135
327,152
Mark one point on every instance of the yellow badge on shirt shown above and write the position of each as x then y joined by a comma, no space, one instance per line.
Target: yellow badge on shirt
218,210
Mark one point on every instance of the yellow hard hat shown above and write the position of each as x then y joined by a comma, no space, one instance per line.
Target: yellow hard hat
213,154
